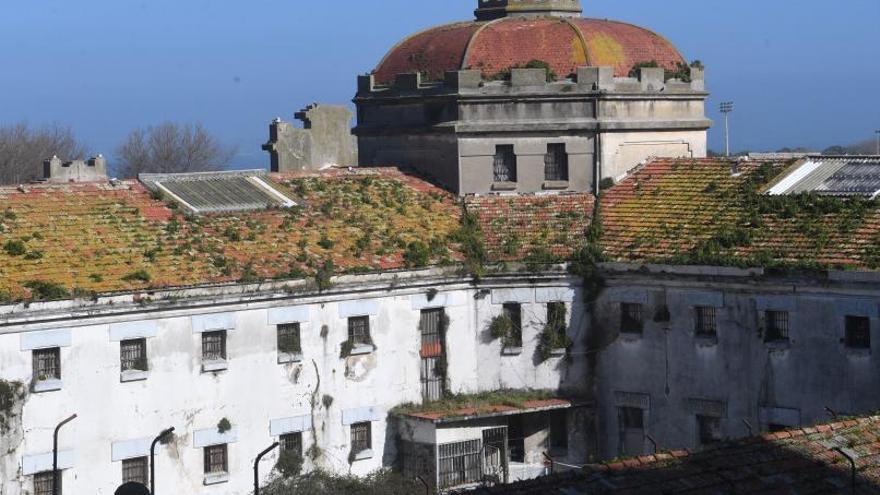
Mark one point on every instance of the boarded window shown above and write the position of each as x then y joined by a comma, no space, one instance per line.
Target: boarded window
215,459
777,326
292,443
556,163
459,463
214,346
361,437
47,364
505,164
43,483
514,312
289,339
135,470
858,332
359,331
631,318
708,430
133,355
705,324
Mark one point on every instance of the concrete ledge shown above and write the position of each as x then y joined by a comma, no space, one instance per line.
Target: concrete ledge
133,330
216,478
511,351
210,436
133,376
217,365
37,463
50,385
558,352
504,186
362,349
555,185
45,340
284,357
364,454
528,77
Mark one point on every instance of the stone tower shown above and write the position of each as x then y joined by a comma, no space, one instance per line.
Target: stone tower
494,9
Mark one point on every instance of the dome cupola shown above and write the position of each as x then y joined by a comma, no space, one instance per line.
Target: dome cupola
494,9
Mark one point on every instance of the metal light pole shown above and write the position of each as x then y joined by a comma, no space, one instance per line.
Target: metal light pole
726,108
257,467
878,140
55,454
156,440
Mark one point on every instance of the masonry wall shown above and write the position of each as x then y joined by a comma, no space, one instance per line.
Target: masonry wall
622,151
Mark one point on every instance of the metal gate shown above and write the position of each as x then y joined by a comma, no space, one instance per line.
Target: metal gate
495,455
433,354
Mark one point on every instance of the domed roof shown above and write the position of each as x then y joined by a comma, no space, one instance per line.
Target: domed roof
564,42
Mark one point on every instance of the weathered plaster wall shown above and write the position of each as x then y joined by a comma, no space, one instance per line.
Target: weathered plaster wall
622,151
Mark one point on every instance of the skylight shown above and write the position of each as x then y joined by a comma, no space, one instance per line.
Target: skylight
218,192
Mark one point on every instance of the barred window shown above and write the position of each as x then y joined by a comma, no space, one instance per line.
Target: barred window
709,429
43,483
291,443
777,326
215,459
460,463
47,364
288,338
858,332
133,354
361,437
214,346
556,163
505,164
631,318
705,321
359,330
556,317
514,312
135,470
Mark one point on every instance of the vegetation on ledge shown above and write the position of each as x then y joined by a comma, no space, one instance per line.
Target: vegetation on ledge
482,401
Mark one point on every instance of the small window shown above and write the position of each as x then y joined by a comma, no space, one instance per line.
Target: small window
43,483
291,443
631,318
556,163
214,346
359,331
514,312
632,418
709,430
135,470
361,437
705,321
289,339
858,332
556,314
505,164
215,459
133,355
47,364
777,326
559,430
632,431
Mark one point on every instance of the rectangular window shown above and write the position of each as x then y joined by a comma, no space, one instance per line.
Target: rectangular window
632,430
47,364
289,339
359,331
43,483
215,459
705,321
214,346
709,430
558,430
135,470
777,326
460,463
556,163
514,312
556,313
505,164
292,443
361,437
631,318
133,355
858,332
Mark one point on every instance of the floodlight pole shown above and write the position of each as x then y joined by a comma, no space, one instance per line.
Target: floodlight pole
156,440
55,453
257,467
878,140
726,108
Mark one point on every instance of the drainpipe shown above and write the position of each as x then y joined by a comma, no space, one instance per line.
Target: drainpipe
257,467
55,454
152,456
427,488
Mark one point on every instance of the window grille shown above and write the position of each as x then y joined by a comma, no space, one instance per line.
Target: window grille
858,332
631,318
47,364
133,355
705,321
432,372
777,326
556,317
359,330
43,483
214,346
360,437
289,339
292,443
709,429
505,164
514,312
556,163
460,463
135,470
215,459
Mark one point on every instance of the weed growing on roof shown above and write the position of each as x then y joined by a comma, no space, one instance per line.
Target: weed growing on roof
324,276
223,426
325,242
8,214
35,254
470,237
15,247
417,254
42,290
505,74
456,402
138,275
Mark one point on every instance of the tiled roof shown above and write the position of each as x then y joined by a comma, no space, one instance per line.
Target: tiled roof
491,47
799,461
700,212
519,227
86,238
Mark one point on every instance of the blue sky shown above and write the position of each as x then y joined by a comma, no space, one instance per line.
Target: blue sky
801,73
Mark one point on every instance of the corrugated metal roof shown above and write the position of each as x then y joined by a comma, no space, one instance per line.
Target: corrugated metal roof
838,176
218,192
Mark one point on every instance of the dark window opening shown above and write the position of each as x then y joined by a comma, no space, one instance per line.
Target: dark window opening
433,354
214,346
43,483
556,163
632,430
777,326
858,332
47,364
514,312
558,430
556,314
133,355
705,321
291,443
361,437
215,459
504,168
709,428
631,318
135,470
359,331
459,463
289,339
516,442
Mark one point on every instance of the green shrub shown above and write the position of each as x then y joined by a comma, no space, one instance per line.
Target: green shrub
223,426
46,291
417,254
139,276
15,247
